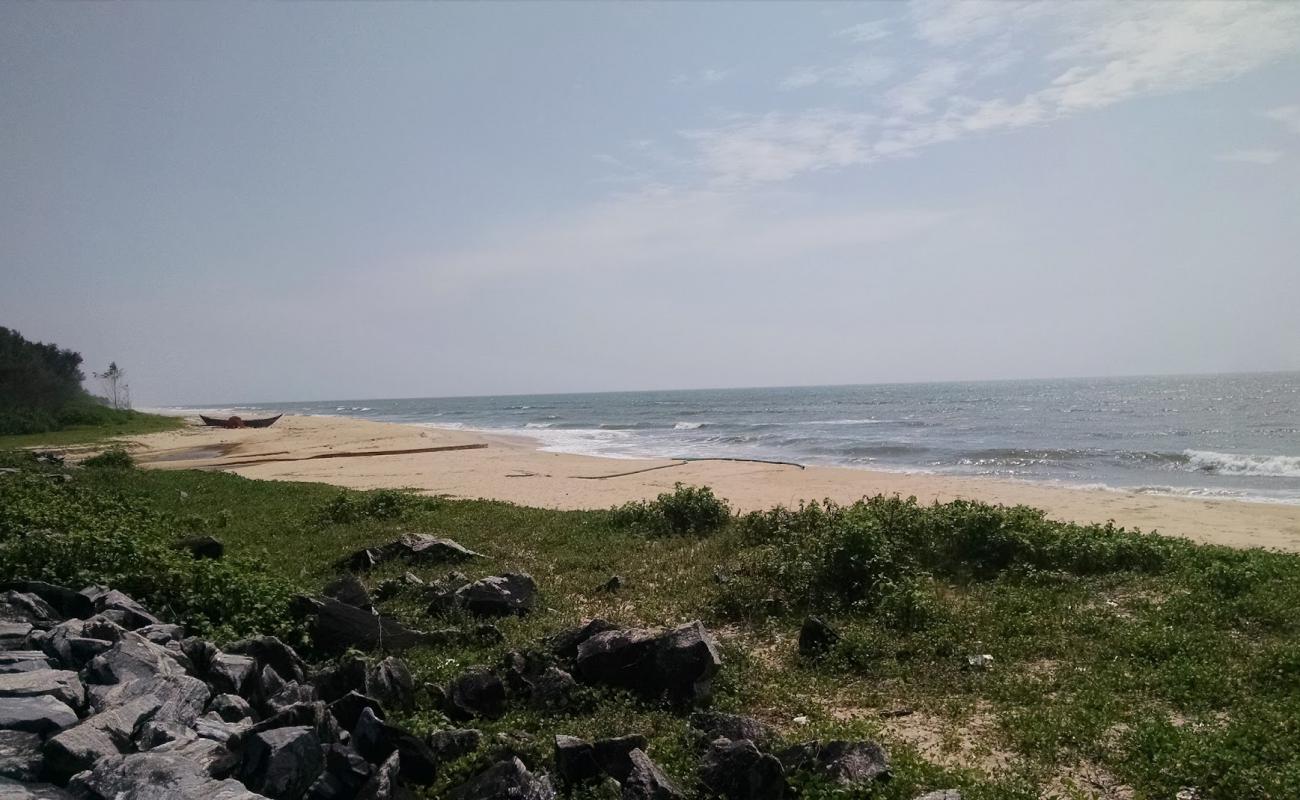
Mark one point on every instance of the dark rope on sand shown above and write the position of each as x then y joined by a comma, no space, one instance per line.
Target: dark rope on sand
681,462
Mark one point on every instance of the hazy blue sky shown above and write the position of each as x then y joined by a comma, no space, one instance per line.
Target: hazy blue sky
283,201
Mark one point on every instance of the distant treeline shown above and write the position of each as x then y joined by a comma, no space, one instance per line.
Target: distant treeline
40,388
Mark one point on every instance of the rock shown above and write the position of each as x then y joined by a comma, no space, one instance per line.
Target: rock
13,790
72,649
270,650
105,734
67,602
348,589
282,763
132,658
565,643
291,694
212,757
202,546
677,665
979,662
717,725
347,709
119,608
612,585
42,715
27,607
552,691
847,763
499,596
456,743
228,673
736,770
60,684
20,756
505,779
575,761
414,548
488,633
348,674
218,730
395,586
336,627
346,772
162,634
390,683
942,794
269,683
159,776
645,781
23,661
13,635
476,693
816,637
615,755
315,715
230,707
376,740
384,784
181,697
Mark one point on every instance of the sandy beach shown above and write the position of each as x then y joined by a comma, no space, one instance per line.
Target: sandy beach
368,455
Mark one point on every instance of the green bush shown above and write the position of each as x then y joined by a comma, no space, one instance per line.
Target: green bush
686,509
75,536
347,507
112,458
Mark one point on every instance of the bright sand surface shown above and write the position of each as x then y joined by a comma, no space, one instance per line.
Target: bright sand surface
360,454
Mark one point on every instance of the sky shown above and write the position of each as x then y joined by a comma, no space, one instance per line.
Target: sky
259,202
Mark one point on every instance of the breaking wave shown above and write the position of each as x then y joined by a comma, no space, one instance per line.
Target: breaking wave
1234,464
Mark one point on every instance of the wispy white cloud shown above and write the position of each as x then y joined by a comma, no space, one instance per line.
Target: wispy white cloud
1261,157
702,77
865,32
1289,116
1088,56
851,74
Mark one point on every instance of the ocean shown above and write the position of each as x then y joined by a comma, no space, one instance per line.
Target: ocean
1222,436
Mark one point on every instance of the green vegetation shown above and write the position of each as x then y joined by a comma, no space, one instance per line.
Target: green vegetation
42,401
1123,664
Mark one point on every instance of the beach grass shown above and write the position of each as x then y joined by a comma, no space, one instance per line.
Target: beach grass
1122,665
113,424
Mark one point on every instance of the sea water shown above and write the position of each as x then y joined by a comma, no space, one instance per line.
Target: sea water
1228,436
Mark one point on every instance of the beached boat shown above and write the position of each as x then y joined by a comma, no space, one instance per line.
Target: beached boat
237,422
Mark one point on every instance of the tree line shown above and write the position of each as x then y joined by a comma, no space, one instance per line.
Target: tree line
41,388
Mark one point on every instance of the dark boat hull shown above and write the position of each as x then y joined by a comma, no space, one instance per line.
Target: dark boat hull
236,422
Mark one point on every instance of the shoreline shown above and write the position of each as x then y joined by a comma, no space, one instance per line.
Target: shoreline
473,464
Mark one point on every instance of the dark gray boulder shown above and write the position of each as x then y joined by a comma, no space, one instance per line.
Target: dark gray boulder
347,709
20,755
134,657
505,779
377,740
230,707
346,772
60,684
575,761
717,725
336,627
413,548
347,674
11,789
941,794
42,715
213,757
614,755
13,635
67,602
677,665
645,781
737,770
159,776
389,681
383,785
229,673
289,695
499,595
202,546
347,588
455,743
816,637
553,690
282,763
211,726
119,607
162,634
24,661
16,606
268,650
68,647
475,693
107,733
847,763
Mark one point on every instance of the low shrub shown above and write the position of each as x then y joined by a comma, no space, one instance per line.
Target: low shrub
112,458
348,507
686,509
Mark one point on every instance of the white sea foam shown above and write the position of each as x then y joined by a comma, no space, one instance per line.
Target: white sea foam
840,422
688,426
539,425
1234,464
